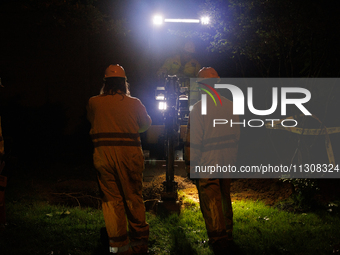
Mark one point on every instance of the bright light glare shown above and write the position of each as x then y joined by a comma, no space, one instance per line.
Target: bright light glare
162,106
157,20
160,97
182,20
205,20
190,107
160,93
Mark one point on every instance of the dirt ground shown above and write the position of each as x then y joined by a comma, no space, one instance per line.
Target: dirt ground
75,192
268,190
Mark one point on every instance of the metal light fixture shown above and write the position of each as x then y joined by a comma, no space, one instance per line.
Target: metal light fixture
159,20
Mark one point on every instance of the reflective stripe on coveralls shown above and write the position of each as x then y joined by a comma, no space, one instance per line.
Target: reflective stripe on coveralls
118,158
106,142
208,145
216,143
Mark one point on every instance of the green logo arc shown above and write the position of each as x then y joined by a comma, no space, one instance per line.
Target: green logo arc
209,93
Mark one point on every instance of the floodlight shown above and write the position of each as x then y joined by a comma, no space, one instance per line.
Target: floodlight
182,20
157,20
160,93
205,20
162,105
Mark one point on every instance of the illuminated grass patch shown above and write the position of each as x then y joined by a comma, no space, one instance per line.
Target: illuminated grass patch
36,227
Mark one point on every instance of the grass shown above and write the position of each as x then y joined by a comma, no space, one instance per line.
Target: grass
40,228
36,227
183,234
260,229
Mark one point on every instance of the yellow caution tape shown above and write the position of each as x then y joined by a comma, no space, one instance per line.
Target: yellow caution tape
305,131
309,131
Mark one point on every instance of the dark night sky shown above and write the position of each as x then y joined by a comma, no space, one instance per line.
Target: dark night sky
40,65
49,73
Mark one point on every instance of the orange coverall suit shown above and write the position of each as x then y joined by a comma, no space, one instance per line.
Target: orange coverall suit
116,121
206,146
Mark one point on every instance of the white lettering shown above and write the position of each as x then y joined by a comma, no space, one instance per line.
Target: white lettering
238,123
262,112
238,100
219,121
297,101
282,122
262,123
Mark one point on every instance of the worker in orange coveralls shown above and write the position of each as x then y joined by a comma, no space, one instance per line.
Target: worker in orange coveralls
208,145
116,121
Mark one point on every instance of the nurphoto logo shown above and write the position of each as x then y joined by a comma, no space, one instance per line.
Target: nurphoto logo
284,127
238,98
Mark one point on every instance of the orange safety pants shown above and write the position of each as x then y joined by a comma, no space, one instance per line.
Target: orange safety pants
120,180
215,203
